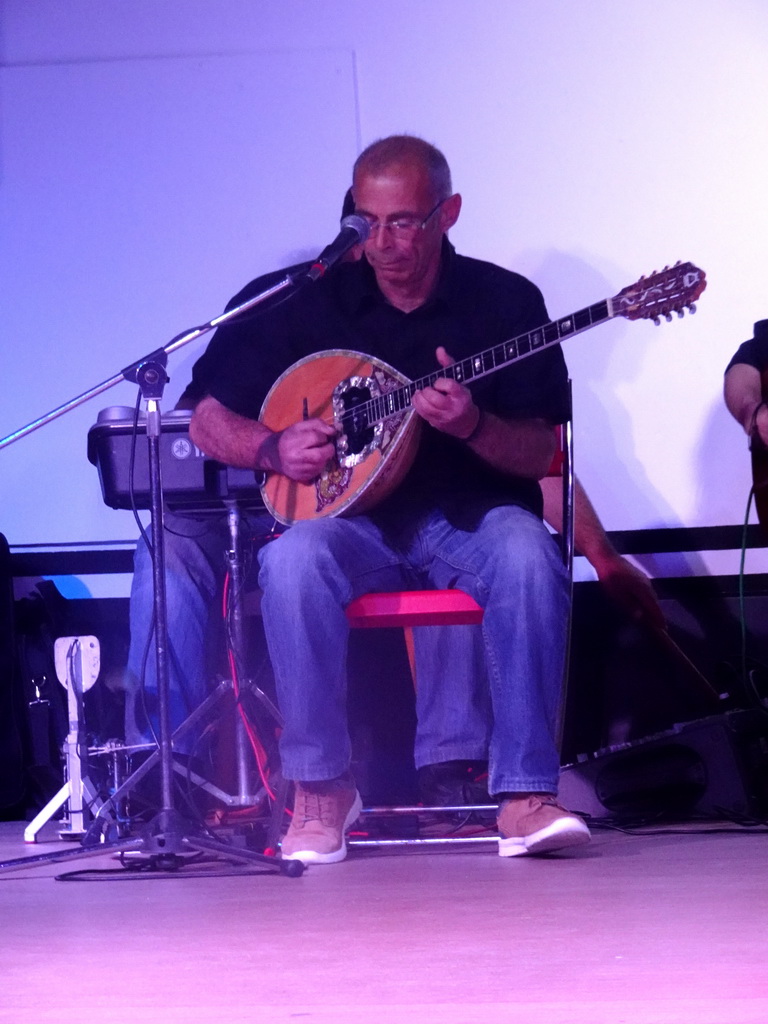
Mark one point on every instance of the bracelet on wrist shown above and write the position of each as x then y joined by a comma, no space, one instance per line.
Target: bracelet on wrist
752,431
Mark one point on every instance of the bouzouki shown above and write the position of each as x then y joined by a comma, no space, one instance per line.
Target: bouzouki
369,402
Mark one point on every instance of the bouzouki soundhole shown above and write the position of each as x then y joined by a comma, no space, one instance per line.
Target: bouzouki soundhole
358,435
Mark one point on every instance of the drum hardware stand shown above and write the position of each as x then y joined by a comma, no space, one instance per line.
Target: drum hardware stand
77,668
169,836
110,810
239,686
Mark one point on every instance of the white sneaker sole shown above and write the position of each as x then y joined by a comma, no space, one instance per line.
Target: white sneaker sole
313,857
559,835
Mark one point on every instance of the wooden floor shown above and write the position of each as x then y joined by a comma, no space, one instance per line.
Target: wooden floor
640,929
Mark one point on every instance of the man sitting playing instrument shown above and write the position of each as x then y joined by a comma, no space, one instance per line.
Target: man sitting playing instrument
450,749
467,513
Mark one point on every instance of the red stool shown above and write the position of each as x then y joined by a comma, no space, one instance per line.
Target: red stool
409,608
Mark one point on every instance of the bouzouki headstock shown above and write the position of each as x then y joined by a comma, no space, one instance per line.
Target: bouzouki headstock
672,290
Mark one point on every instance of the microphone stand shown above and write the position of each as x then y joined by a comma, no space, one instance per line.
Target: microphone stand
169,835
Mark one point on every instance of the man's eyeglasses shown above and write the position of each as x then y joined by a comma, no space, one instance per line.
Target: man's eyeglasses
403,227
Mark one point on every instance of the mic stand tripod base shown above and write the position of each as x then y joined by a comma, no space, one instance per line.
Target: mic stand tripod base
169,836
165,841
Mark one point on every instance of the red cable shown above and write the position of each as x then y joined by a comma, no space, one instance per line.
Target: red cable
259,751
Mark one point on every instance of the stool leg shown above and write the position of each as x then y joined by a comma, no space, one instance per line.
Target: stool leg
411,649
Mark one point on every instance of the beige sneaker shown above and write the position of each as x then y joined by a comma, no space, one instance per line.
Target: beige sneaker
322,813
538,824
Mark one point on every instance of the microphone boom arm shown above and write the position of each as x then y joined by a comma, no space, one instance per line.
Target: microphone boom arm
129,372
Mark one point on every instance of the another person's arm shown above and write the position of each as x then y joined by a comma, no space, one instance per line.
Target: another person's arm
625,583
744,399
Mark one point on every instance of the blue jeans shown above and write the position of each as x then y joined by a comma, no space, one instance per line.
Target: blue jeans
454,720
510,564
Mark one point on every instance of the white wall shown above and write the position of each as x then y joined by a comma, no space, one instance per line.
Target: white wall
592,140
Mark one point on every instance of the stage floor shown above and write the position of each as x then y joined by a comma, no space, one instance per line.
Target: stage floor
634,929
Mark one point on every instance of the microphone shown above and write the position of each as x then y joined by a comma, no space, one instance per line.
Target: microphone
354,231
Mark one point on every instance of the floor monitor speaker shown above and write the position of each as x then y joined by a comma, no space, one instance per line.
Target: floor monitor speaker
713,767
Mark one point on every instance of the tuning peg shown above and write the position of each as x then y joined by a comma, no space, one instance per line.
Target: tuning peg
681,313
656,320
692,308
665,269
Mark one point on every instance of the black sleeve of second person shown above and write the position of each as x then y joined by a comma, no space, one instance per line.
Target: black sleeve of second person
755,351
